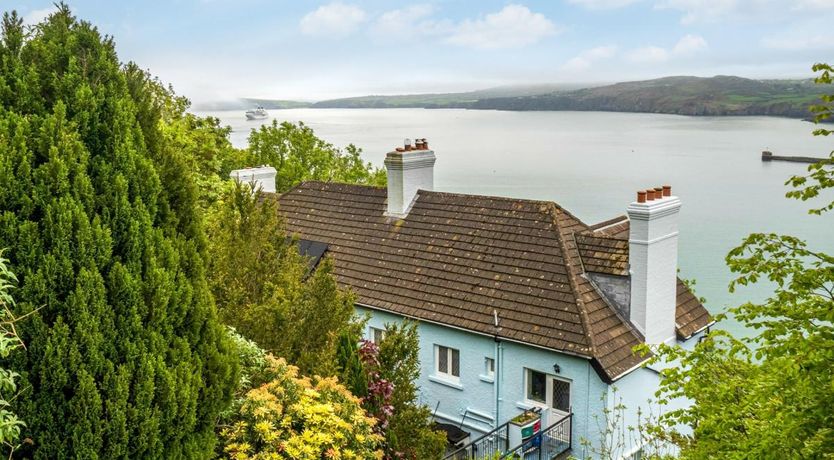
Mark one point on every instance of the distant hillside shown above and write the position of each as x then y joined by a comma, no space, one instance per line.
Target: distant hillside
274,104
720,95
249,103
443,100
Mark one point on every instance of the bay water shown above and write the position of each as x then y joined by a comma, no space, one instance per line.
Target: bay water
592,163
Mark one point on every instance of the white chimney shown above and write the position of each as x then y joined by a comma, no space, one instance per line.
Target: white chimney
262,176
653,263
410,168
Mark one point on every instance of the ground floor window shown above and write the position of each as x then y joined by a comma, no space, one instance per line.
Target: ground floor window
548,390
377,335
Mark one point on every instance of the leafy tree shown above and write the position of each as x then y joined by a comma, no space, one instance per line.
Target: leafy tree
350,370
770,396
409,431
821,174
10,424
391,394
293,417
298,155
126,357
266,290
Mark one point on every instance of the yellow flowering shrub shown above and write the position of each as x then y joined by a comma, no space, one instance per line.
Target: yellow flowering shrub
300,418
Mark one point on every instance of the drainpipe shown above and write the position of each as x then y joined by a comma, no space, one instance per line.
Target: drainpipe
496,377
497,381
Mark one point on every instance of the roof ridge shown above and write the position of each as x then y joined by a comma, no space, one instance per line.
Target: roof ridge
607,223
455,194
332,182
580,304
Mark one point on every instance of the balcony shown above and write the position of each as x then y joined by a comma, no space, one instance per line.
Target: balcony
548,444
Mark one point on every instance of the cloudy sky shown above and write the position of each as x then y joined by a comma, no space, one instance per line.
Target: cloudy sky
311,50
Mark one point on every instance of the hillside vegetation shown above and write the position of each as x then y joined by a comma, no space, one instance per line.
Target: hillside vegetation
720,95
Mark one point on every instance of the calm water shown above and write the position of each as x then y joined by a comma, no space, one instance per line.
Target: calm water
592,163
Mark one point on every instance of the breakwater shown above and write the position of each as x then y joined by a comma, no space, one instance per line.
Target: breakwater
769,156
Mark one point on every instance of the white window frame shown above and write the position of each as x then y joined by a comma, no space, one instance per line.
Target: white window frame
372,333
447,373
489,367
548,391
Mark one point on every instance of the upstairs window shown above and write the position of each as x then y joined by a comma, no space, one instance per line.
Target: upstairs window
489,367
448,362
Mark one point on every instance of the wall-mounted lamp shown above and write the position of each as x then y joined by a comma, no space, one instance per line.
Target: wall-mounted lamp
556,368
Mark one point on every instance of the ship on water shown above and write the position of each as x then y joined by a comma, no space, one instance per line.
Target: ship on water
258,113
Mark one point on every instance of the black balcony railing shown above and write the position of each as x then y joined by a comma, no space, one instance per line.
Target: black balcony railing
494,442
546,445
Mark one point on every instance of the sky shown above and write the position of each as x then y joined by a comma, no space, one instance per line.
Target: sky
213,50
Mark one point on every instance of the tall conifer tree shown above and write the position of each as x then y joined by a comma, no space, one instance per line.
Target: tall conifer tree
125,356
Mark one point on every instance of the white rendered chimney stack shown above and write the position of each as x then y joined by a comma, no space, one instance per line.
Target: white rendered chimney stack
262,177
653,263
410,168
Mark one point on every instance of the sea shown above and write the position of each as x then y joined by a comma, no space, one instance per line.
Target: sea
592,164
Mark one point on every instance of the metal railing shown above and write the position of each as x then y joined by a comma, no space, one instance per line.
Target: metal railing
496,441
546,445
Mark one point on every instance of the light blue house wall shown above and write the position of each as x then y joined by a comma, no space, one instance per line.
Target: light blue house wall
475,394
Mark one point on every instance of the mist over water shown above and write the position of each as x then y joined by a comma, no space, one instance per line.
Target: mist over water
592,164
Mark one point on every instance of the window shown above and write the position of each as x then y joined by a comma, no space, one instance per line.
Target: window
548,390
561,395
489,367
377,335
537,386
448,362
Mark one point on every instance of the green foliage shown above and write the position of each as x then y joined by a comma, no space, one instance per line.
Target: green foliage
615,438
265,289
126,357
300,418
10,423
769,396
298,155
351,373
820,174
408,434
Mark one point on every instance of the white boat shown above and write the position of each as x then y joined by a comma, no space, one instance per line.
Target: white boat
256,114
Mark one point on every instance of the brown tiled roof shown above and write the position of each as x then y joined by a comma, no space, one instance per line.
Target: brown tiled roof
604,249
603,254
690,316
458,259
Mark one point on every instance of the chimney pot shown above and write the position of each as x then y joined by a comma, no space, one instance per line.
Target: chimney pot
667,190
407,175
641,196
653,263
658,193
425,144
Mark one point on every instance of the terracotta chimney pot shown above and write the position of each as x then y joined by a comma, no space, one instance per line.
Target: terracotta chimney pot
641,196
667,190
650,194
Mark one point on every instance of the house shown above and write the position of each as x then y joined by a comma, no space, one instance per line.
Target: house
520,304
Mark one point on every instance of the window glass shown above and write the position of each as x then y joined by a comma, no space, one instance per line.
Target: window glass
561,395
490,367
456,363
377,335
536,386
443,360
